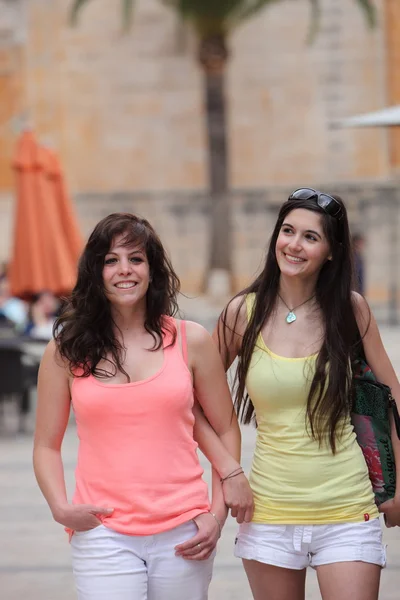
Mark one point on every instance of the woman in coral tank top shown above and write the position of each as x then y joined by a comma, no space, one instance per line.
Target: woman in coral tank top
140,522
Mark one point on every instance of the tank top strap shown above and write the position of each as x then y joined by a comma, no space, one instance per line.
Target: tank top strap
179,349
169,330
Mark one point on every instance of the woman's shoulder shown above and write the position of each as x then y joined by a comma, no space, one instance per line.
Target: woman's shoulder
362,312
195,332
51,352
358,300
52,359
236,313
198,340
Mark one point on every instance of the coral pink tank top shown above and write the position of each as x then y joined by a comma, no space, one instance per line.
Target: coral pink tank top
136,448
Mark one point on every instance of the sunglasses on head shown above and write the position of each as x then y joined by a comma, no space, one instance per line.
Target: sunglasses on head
329,204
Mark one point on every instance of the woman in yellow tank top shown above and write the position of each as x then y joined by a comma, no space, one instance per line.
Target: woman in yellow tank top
294,331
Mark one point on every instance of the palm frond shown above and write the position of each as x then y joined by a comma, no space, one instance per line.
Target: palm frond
314,20
216,16
221,10
127,12
251,8
221,16
213,9
369,9
76,7
366,5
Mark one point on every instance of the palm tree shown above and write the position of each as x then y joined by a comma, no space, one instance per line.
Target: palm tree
213,21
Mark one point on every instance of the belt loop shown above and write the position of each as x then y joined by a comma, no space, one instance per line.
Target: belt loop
297,536
307,534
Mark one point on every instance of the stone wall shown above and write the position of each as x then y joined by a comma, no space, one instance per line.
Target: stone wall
125,112
12,84
391,23
182,221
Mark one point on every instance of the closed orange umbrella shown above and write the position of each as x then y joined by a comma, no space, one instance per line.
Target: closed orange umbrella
47,242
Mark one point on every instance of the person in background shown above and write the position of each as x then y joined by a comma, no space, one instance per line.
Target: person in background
358,242
140,523
13,311
42,313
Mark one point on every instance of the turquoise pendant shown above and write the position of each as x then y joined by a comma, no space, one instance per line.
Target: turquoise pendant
290,317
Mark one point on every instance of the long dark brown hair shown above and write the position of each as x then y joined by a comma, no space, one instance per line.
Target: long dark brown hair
85,331
330,394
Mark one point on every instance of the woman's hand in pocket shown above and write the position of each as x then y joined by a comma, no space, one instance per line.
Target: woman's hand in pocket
201,545
81,517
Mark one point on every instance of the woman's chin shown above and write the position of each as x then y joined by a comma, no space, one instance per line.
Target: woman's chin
290,271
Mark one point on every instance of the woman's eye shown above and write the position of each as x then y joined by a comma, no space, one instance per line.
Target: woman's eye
109,261
136,259
287,230
311,237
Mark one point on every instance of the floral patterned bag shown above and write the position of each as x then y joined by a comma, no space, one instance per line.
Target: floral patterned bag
372,402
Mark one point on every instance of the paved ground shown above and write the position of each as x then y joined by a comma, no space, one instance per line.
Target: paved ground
34,554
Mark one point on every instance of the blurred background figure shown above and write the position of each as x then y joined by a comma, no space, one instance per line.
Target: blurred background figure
359,261
19,358
13,311
42,312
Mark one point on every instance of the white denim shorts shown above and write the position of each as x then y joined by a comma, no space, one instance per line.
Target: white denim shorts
112,566
301,546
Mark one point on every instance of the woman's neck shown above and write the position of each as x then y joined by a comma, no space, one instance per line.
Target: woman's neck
129,319
295,291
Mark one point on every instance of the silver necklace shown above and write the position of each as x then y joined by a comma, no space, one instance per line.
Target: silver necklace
291,317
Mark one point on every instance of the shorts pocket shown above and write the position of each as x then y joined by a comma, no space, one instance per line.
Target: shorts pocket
384,556
262,531
87,531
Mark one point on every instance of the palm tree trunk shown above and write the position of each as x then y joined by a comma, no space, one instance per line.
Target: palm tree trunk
213,58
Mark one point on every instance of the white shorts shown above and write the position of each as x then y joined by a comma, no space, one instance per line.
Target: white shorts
300,546
112,566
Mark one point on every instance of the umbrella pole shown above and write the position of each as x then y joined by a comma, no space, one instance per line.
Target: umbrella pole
393,256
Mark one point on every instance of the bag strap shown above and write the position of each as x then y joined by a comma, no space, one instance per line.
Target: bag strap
359,364
360,343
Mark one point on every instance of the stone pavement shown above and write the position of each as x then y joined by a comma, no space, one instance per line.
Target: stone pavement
34,552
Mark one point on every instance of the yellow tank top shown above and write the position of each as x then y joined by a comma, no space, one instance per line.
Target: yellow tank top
294,480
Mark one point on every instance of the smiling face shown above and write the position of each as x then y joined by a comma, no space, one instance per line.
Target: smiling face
126,274
302,248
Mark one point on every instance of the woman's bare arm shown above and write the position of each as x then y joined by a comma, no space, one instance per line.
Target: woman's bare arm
230,329
217,433
51,421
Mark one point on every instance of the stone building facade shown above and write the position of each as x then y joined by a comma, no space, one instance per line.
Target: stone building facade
125,113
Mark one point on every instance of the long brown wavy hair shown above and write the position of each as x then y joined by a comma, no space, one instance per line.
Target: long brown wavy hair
84,332
329,399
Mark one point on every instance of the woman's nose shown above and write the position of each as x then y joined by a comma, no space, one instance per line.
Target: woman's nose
125,266
295,243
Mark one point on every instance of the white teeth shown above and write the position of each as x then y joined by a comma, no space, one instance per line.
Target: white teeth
294,258
125,285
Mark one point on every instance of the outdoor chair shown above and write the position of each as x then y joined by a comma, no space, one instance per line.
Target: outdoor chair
15,381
